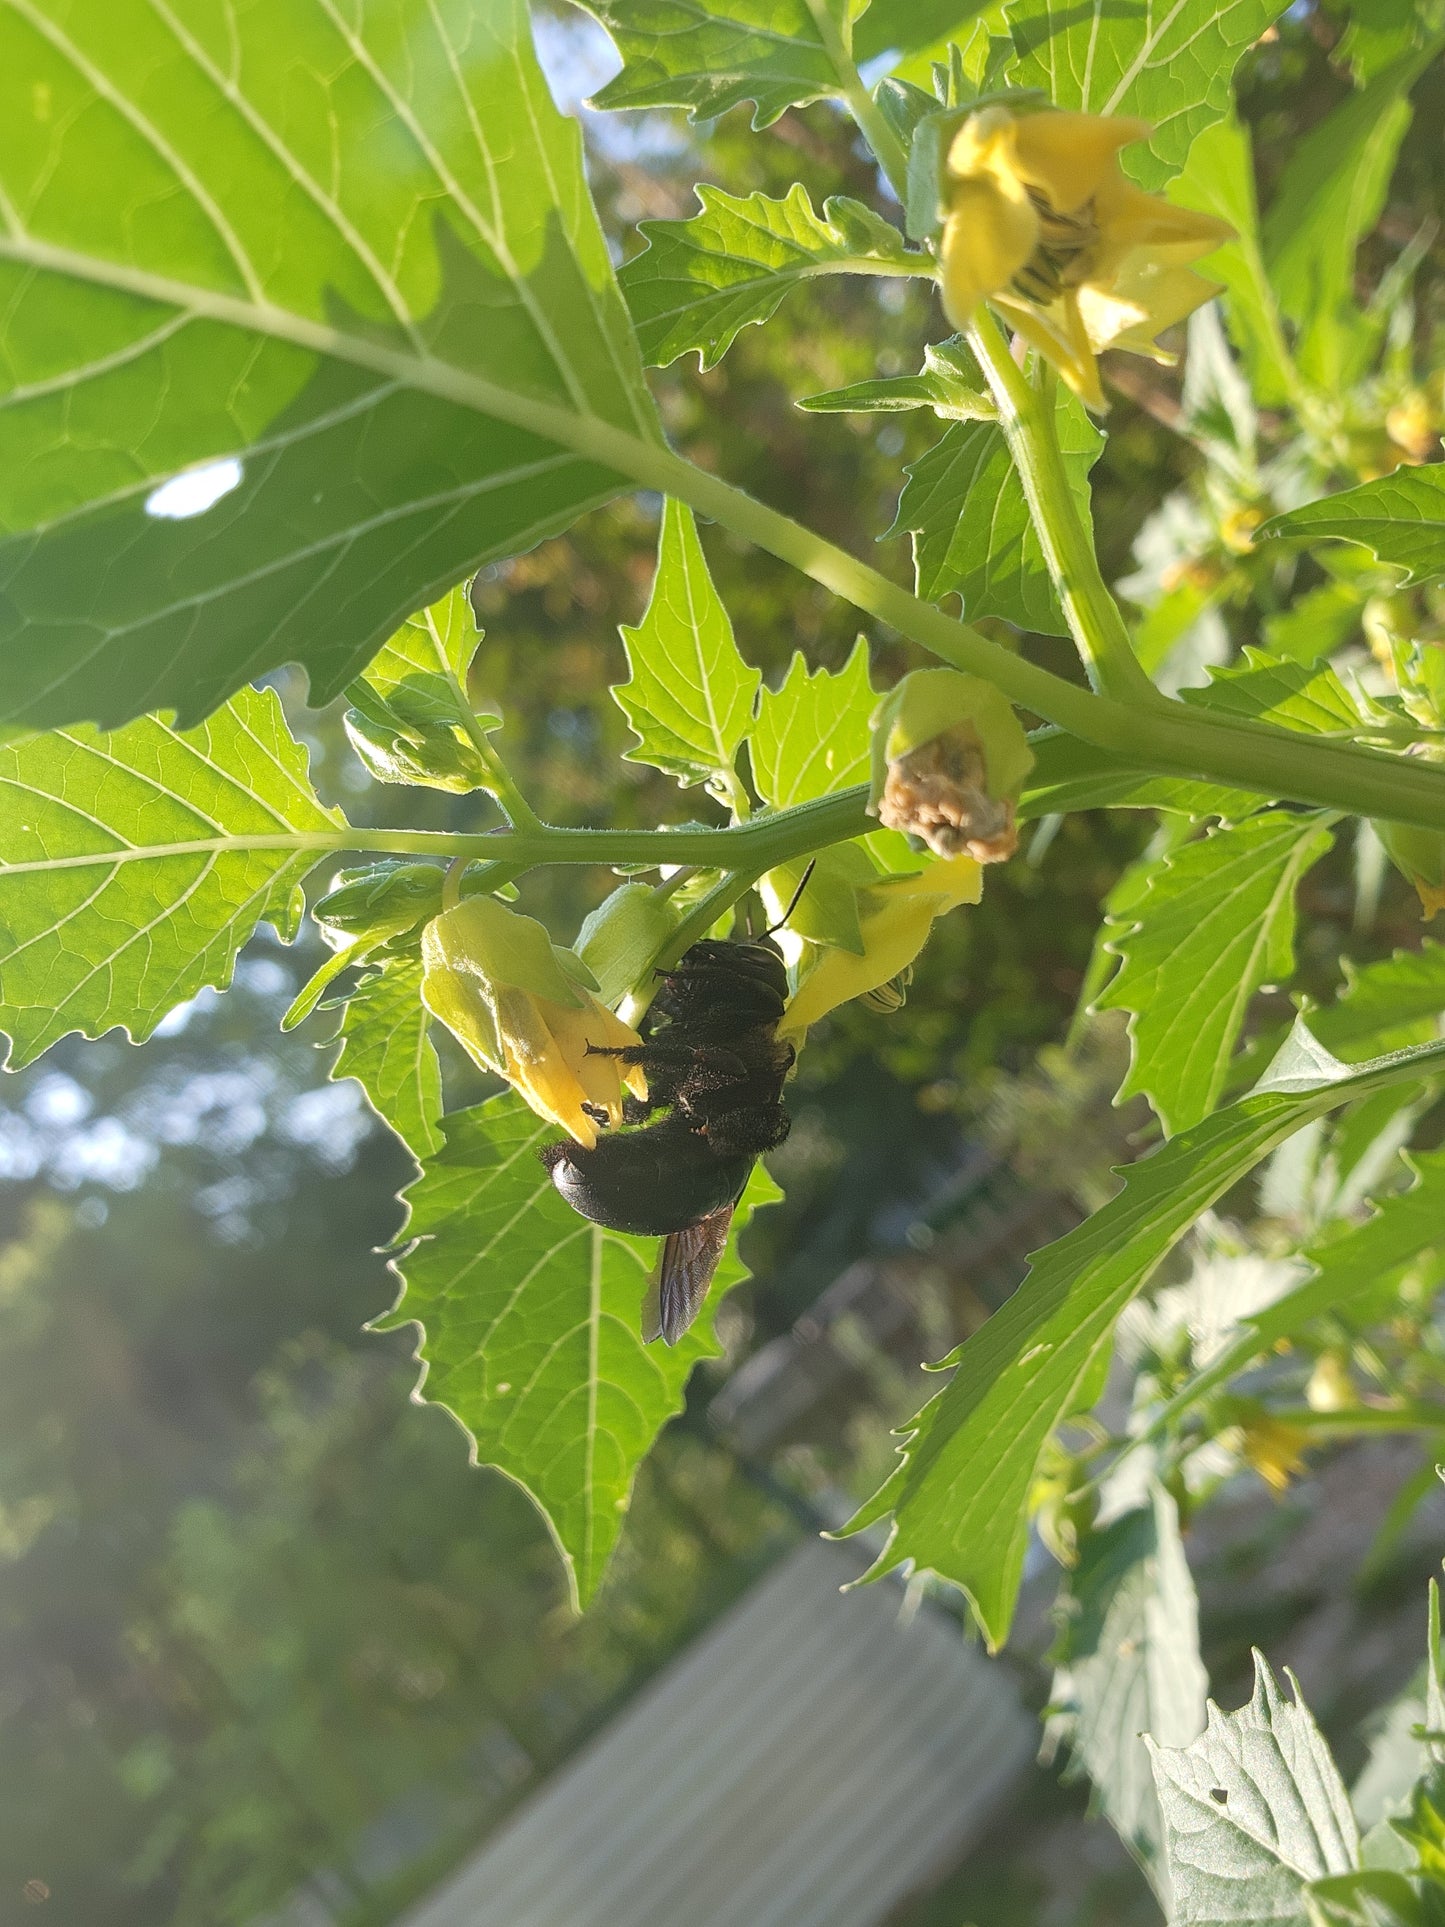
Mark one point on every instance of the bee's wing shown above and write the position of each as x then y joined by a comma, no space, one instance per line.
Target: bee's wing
682,1275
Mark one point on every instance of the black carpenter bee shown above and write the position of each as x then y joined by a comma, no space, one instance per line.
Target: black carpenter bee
715,1065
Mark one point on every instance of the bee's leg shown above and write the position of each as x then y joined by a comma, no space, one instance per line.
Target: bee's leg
750,1131
664,1057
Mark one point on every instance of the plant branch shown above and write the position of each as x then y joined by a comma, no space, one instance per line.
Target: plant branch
888,150
1030,426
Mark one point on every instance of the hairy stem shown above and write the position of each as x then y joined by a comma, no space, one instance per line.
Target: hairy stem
888,150
1030,426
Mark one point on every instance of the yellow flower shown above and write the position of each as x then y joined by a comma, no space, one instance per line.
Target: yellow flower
510,998
895,916
1275,1449
1039,220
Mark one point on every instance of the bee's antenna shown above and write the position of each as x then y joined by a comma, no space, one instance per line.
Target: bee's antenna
813,864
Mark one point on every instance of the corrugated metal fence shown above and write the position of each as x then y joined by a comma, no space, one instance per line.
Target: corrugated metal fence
808,1762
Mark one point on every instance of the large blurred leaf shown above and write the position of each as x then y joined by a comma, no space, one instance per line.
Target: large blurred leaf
1170,65
345,255
134,865
1216,922
690,695
1328,199
699,281
530,1322
963,504
910,24
1400,517
1218,179
1253,1810
1129,1664
959,1497
386,1046
708,55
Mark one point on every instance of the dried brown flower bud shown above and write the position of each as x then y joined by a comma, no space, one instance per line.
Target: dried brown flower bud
939,793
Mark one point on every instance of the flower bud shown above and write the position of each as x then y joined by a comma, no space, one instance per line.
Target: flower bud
621,938
522,1007
895,916
397,750
385,899
1418,854
949,758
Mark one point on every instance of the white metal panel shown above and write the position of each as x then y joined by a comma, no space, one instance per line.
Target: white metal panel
807,1762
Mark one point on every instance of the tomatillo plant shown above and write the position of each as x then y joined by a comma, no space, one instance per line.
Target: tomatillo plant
304,388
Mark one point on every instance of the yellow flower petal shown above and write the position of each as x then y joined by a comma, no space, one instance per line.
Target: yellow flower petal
1145,297
1070,157
895,918
987,238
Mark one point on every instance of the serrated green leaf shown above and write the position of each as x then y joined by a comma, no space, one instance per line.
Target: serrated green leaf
1304,696
699,282
908,25
811,736
1216,922
949,383
963,504
959,1496
1385,1005
346,255
1400,518
1169,65
1329,197
1218,179
530,1322
710,55
427,659
1129,1665
134,865
1253,1810
386,1046
690,695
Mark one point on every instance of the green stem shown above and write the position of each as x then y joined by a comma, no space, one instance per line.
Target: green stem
1166,738
1030,425
518,811
888,150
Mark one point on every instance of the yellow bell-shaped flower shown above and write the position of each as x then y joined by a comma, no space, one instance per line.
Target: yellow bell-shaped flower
507,994
895,916
1039,221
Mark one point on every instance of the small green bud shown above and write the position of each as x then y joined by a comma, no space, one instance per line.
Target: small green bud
385,899
622,936
949,759
433,754
1419,855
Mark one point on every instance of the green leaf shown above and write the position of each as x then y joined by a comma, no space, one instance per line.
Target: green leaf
1345,1266
709,55
959,1496
1253,1810
699,282
963,504
907,25
426,661
690,695
1129,1665
530,1321
949,383
1292,695
1330,196
136,864
812,736
1218,179
1400,518
386,1046
1169,65
1386,1005
1216,922
347,258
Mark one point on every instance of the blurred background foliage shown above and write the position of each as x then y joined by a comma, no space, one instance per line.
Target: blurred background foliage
260,1622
